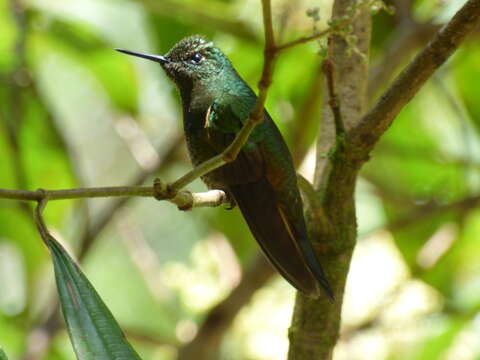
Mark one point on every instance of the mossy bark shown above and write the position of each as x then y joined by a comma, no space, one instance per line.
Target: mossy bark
315,324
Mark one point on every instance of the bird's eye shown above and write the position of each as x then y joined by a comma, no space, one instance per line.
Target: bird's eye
196,58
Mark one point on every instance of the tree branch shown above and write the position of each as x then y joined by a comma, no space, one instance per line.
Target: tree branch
305,39
408,83
349,84
184,199
315,323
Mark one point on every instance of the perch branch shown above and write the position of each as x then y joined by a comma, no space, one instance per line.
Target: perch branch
183,199
103,219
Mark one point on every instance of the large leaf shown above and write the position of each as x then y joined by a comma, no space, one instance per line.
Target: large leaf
93,330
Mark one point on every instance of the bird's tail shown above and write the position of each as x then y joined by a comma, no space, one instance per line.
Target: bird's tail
291,253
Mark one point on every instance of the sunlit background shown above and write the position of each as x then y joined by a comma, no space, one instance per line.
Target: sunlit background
76,113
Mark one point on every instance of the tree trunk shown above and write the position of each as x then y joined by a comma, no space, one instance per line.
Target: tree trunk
315,324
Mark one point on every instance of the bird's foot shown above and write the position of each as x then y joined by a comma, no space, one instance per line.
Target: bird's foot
162,191
231,201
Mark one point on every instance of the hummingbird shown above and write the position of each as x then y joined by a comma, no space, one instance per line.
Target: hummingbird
262,180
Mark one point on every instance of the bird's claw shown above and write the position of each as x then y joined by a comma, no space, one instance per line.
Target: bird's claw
232,203
161,190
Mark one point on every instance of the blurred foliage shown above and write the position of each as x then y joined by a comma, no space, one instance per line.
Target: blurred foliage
75,113
93,331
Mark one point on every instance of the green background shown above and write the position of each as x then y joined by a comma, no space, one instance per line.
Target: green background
75,113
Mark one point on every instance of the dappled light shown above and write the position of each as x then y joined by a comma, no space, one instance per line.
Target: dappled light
75,113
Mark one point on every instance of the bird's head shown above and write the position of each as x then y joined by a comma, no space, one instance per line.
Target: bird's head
192,62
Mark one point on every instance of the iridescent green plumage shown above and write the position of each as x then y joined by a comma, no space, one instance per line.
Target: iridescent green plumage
262,180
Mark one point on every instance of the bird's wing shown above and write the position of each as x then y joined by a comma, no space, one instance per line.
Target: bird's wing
274,234
229,119
263,182
223,123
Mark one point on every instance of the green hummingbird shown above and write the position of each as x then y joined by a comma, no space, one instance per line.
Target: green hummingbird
262,180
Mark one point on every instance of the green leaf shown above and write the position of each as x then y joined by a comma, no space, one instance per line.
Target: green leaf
93,330
3,356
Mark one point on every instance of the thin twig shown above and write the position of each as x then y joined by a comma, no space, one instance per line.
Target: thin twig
334,27
306,39
267,24
329,71
183,199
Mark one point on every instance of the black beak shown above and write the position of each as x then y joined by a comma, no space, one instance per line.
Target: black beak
157,58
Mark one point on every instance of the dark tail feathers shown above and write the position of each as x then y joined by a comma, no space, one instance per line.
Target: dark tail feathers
291,254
